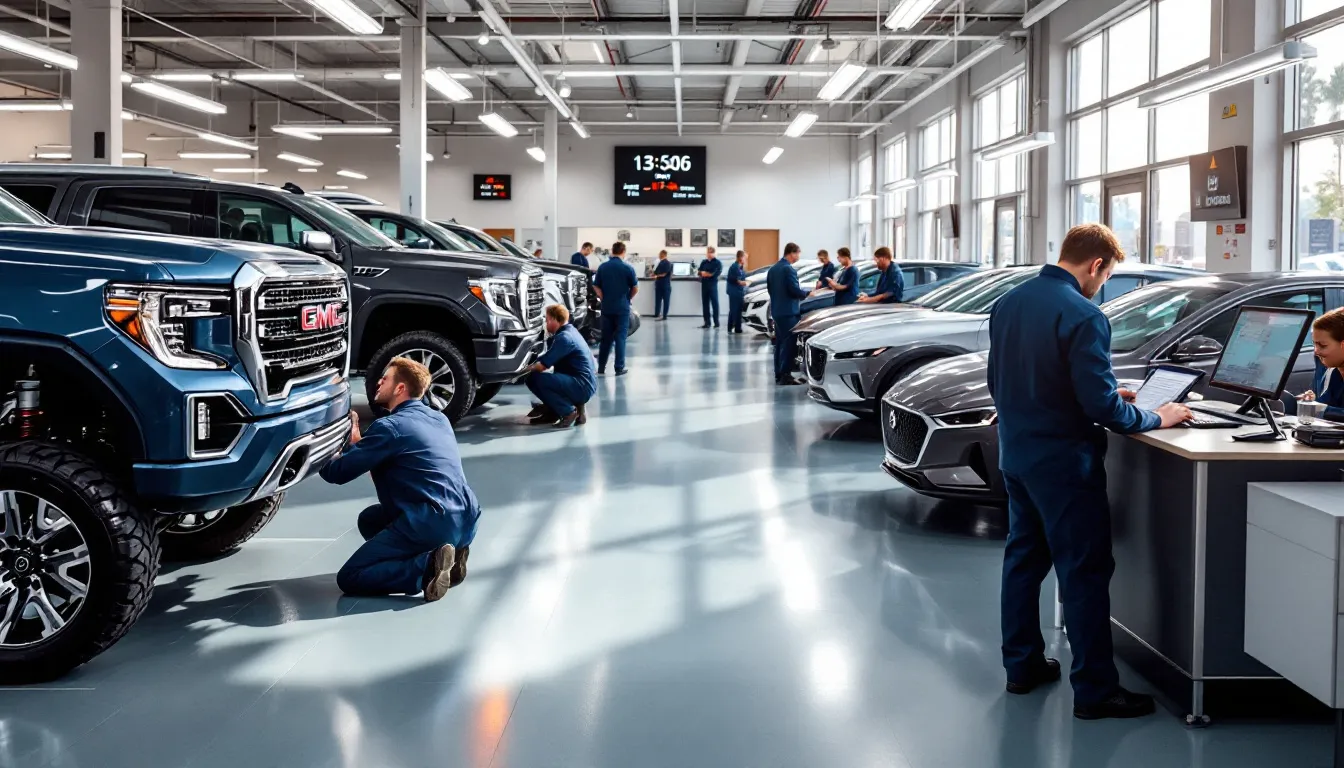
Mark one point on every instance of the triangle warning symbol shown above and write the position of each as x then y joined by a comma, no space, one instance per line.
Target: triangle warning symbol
1213,163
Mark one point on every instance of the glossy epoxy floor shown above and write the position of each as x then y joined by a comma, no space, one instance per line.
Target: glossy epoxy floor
713,572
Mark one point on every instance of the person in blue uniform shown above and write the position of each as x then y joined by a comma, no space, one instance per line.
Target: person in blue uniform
616,285
846,281
662,287
709,287
785,297
737,292
827,270
1327,385
580,257
417,537
1051,380
564,393
890,285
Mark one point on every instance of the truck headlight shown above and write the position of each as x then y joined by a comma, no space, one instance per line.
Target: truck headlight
170,322
979,417
859,354
499,294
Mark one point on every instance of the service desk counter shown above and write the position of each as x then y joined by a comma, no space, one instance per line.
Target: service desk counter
1178,507
685,298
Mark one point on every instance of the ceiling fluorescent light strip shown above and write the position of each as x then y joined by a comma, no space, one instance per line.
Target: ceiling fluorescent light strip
772,155
302,130
240,170
180,98
848,74
266,76
227,141
183,77
351,174
34,50
907,13
213,156
537,154
348,15
941,173
800,125
579,129
290,157
34,105
901,185
498,124
1249,67
1017,145
442,82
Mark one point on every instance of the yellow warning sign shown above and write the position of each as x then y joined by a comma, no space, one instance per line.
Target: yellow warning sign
1229,111
1213,163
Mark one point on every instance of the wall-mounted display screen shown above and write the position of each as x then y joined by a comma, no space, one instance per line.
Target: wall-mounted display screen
497,186
660,175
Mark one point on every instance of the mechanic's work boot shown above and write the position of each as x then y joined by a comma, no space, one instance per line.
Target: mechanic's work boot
1048,673
537,410
459,571
582,408
439,572
568,420
1123,704
547,416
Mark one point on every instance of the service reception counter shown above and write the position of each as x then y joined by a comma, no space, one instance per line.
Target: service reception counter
1178,508
685,298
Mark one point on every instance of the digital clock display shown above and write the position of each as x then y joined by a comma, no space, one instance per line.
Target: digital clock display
660,175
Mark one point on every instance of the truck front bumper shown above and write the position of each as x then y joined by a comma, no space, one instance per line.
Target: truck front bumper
506,357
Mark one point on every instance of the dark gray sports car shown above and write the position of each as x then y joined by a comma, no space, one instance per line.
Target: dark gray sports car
938,425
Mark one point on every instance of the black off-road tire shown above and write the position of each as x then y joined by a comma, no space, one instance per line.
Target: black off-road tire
123,557
634,324
464,379
485,393
229,532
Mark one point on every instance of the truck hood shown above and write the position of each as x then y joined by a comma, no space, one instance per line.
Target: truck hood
893,329
479,264
955,384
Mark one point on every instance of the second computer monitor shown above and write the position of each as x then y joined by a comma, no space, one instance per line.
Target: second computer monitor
1261,350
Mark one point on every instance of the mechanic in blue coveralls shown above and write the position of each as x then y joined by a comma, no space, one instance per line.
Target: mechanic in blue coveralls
580,257
662,287
616,285
890,285
846,281
417,537
785,308
708,273
737,291
564,393
1051,380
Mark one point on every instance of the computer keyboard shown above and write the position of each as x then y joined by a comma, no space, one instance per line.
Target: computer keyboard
1201,421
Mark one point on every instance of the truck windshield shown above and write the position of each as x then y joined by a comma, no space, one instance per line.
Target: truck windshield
15,211
1139,316
345,223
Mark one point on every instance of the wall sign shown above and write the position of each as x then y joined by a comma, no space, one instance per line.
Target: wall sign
672,238
1229,111
1320,236
1218,185
497,186
727,238
660,175
699,238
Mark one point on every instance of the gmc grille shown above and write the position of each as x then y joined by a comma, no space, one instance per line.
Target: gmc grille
536,299
816,363
903,433
290,353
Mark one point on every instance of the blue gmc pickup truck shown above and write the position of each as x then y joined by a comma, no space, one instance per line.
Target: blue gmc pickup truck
158,395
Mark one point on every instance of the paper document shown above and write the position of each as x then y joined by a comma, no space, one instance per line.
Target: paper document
1163,387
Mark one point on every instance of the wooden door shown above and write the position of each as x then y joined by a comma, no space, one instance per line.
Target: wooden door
762,247
500,233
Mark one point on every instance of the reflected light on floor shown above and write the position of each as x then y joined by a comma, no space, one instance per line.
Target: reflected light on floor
797,578
489,718
348,730
830,671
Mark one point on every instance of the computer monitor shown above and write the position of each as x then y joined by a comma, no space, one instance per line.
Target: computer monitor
1260,351
681,269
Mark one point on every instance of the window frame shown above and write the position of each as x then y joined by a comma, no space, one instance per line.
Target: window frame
1293,134
194,194
979,200
222,195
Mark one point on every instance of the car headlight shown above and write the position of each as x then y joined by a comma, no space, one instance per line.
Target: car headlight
860,353
979,417
500,295
170,322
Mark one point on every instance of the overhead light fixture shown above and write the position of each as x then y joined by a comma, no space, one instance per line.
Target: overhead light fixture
296,133
227,141
597,52
290,157
180,98
391,75
579,128
772,155
845,204
565,90
537,154
800,125
484,37
442,82
939,174
429,157
240,170
183,77
865,196
127,115
629,114
34,50
1017,145
494,122
901,185
317,130
1040,11
132,155
351,174
213,156
266,76
765,114
49,154
335,188
307,170
907,13
348,15
126,79
35,105
446,155
848,74
1262,62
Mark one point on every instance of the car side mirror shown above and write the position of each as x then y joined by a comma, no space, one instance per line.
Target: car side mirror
1197,347
423,244
316,242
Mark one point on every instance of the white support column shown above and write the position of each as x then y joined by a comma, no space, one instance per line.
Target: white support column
95,88
551,139
413,119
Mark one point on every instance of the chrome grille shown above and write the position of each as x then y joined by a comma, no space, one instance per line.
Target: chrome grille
903,433
535,303
816,363
290,354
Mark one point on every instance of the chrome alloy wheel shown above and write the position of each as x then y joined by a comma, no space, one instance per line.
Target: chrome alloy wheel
195,522
442,385
44,569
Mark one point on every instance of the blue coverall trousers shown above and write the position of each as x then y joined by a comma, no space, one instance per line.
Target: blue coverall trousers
735,302
614,330
397,549
709,303
786,345
1064,522
662,297
558,391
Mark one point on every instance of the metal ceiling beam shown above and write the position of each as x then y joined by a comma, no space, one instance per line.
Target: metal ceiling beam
53,26
741,48
577,72
674,19
515,49
955,71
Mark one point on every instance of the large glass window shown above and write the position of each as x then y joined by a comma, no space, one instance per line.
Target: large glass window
998,116
256,220
1127,144
895,164
1127,59
1321,81
1085,203
1319,202
1175,239
937,141
1318,193
1182,128
1176,46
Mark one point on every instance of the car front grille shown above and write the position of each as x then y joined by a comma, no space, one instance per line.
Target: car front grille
816,363
903,433
535,293
302,332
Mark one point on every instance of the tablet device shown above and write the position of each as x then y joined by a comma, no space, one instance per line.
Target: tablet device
1166,384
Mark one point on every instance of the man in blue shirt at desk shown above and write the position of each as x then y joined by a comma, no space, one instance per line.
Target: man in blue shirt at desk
580,257
616,284
418,535
1051,380
891,283
564,394
785,308
709,286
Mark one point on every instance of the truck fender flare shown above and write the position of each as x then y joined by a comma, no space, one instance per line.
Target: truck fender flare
367,309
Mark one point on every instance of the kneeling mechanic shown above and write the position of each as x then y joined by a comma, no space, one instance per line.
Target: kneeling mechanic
564,393
418,535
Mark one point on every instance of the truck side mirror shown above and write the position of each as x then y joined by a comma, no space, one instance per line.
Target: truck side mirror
316,242
423,244
1196,347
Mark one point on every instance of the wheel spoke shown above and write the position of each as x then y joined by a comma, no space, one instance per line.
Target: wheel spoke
440,371
77,589
48,528
13,517
52,621
78,555
9,610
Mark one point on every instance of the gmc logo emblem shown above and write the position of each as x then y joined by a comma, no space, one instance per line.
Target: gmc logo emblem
319,317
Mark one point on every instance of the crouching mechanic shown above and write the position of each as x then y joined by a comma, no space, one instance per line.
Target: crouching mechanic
418,535
564,393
